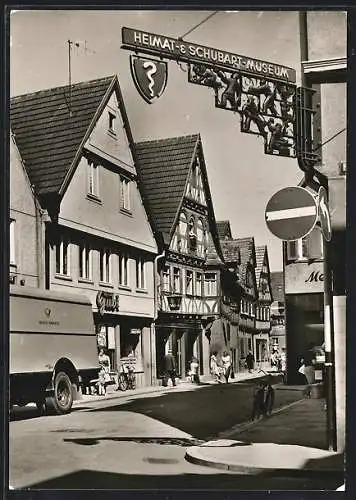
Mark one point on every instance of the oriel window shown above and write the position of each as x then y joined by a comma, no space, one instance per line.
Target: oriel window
198,284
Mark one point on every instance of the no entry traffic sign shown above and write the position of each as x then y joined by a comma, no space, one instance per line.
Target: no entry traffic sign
291,213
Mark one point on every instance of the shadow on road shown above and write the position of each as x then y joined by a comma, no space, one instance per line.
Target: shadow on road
91,479
202,413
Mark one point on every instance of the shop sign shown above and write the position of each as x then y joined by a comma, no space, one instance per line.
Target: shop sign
107,302
302,277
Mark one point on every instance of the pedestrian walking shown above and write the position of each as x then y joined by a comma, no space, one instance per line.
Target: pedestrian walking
169,369
215,368
226,364
250,361
307,369
104,373
194,370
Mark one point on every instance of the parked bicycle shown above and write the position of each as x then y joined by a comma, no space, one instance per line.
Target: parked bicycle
263,397
126,378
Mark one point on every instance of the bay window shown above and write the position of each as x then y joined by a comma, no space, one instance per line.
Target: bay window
210,285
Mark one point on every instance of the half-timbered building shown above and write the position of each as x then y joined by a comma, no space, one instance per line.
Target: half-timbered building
263,304
176,186
78,153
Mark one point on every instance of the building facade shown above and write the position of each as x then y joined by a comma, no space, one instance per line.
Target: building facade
26,238
98,238
190,262
278,331
263,306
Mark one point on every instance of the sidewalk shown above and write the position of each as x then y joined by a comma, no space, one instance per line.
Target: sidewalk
292,440
182,385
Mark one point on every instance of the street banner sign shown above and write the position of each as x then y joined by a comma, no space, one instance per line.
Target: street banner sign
261,94
149,76
324,215
291,213
176,49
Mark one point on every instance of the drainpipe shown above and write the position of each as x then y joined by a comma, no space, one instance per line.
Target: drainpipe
155,282
155,315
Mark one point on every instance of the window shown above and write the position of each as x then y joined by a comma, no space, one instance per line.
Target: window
200,238
85,265
125,203
105,265
93,179
12,243
177,288
198,285
140,274
112,119
183,230
123,270
192,235
210,288
62,257
165,279
310,247
189,283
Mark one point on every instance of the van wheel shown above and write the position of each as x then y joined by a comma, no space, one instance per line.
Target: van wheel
61,402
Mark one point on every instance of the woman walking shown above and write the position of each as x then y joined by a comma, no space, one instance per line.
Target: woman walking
215,369
226,362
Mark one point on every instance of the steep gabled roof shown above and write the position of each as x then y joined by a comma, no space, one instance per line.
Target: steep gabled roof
164,166
48,136
224,230
231,251
260,258
277,284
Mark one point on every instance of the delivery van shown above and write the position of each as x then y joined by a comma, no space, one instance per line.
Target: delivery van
53,348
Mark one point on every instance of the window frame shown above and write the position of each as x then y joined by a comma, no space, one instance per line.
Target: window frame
105,265
141,274
213,283
12,243
125,194
166,279
62,257
124,270
176,277
112,121
189,287
199,284
85,262
93,179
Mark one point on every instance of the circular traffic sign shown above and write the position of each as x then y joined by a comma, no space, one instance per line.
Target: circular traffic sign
324,214
291,213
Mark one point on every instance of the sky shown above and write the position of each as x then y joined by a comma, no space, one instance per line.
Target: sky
241,177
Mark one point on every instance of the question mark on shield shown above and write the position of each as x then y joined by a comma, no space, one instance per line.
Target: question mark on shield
149,72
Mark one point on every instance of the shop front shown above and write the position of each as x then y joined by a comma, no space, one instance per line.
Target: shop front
122,336
184,339
304,312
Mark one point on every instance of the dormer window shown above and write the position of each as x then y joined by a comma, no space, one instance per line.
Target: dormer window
112,123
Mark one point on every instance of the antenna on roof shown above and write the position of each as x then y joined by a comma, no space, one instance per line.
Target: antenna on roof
77,44
70,76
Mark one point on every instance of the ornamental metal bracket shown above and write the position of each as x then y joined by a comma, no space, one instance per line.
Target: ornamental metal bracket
263,94
266,107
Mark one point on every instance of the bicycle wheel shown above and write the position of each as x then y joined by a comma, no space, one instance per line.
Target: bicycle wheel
122,382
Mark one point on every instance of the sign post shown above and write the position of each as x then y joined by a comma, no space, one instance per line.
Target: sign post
291,213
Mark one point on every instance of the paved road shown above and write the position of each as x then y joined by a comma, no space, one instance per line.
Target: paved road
137,443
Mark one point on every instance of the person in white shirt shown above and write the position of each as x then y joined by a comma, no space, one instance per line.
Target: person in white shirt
226,362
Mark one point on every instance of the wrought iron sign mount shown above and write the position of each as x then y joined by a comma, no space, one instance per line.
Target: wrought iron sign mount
263,94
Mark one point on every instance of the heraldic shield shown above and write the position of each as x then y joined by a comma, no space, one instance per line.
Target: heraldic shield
149,76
